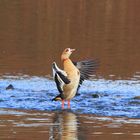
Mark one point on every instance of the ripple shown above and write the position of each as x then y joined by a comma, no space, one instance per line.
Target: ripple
116,98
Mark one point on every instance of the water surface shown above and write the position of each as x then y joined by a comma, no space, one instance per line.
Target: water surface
27,112
38,31
33,34
115,98
65,125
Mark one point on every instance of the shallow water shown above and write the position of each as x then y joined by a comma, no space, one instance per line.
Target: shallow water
27,112
65,125
115,98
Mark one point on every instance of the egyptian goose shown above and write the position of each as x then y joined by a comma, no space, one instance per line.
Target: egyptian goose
69,80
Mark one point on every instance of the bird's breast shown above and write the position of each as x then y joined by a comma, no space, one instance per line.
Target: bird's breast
73,75
72,72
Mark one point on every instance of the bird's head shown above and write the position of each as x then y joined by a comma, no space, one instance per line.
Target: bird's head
66,53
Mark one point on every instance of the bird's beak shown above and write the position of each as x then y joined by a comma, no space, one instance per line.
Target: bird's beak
72,50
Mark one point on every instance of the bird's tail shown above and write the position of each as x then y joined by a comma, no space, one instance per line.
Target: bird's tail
57,98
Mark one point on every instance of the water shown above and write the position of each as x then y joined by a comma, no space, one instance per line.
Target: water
65,125
34,33
28,109
116,98
38,31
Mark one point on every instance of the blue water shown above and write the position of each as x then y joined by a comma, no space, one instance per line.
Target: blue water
35,93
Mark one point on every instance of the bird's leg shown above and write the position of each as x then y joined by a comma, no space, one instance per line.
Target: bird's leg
69,104
63,104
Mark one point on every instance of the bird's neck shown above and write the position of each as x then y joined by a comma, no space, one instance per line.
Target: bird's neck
68,65
65,59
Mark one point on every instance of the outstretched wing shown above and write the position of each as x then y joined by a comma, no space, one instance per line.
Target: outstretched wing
60,77
87,69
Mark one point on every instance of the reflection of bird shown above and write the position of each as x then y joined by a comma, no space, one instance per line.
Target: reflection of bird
70,79
64,126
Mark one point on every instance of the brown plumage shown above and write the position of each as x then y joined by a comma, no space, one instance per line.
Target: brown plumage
70,79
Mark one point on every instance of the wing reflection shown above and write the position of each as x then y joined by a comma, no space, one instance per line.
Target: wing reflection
64,127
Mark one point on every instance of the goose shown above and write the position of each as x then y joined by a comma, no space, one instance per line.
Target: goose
69,80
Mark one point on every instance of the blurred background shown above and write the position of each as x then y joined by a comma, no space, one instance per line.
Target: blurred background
33,34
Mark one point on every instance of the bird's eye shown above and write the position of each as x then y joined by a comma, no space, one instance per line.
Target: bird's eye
67,50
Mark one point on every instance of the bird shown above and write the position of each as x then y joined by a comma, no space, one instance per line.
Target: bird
69,80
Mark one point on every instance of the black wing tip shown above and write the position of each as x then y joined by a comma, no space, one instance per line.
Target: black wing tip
58,98
54,65
53,99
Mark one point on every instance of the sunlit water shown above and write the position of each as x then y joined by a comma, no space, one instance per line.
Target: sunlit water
114,98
